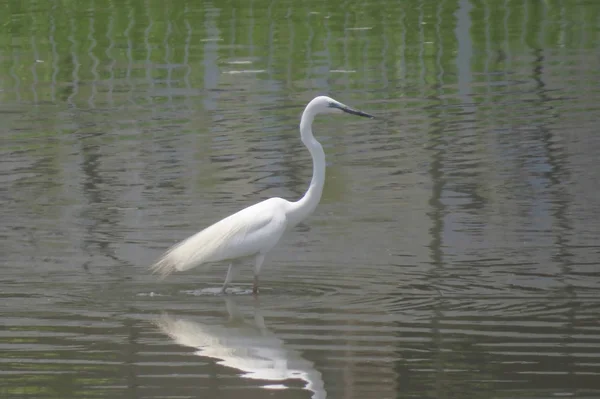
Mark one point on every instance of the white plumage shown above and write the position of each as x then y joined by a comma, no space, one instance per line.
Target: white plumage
242,234
255,230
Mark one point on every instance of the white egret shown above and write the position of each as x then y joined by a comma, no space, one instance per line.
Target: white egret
254,231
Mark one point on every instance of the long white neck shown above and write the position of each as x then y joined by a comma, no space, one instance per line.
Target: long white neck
300,209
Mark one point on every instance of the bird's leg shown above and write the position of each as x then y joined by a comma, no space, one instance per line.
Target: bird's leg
228,278
257,265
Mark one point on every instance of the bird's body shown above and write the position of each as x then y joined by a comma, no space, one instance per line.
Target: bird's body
255,230
252,230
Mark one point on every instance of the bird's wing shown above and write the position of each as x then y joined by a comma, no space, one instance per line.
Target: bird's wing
252,230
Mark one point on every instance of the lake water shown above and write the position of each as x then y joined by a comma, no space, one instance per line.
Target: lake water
456,249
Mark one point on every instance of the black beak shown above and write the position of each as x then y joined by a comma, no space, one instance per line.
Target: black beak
356,112
352,111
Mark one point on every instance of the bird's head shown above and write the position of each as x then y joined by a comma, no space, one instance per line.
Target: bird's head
327,105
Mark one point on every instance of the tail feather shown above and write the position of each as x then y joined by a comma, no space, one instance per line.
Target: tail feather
180,257
212,244
164,266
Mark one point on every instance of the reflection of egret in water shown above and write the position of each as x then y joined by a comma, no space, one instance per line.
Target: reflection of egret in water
248,347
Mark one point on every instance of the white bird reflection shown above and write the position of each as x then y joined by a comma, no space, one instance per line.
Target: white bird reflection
248,347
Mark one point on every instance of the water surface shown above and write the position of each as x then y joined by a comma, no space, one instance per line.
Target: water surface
455,252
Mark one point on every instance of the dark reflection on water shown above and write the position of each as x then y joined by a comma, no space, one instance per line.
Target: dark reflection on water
455,250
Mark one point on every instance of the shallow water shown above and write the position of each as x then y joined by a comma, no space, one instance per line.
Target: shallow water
455,252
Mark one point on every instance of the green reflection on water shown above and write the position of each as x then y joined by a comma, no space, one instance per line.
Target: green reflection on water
112,51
